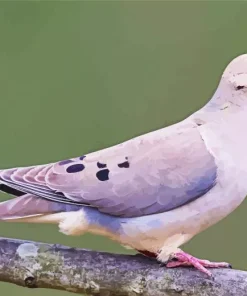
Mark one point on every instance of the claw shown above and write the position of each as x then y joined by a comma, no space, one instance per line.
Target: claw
184,259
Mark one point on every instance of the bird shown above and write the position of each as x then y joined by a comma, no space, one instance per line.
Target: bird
152,193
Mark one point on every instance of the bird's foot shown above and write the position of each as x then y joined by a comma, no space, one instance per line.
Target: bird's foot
184,259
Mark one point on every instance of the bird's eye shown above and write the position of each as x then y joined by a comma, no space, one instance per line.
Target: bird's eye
239,87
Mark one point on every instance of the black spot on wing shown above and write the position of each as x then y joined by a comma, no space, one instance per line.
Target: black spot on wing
75,168
103,175
101,165
125,164
63,162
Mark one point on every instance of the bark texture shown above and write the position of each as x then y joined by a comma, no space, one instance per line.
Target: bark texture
38,265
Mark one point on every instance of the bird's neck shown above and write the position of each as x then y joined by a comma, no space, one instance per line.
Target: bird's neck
227,111
225,97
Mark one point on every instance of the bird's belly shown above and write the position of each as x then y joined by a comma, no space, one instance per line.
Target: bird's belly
173,228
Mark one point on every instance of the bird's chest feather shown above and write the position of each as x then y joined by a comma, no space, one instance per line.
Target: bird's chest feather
226,140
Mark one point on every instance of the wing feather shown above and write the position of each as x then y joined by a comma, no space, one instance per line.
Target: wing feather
149,174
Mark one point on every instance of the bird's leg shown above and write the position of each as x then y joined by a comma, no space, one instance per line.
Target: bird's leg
184,259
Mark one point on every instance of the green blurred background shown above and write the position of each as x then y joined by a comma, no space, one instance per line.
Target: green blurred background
79,76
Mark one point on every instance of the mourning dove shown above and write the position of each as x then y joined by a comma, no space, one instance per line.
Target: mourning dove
154,192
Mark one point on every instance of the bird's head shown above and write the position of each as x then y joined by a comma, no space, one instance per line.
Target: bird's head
236,74
232,89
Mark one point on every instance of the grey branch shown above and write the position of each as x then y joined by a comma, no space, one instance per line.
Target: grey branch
38,265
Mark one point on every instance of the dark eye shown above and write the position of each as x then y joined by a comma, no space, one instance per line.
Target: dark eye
240,87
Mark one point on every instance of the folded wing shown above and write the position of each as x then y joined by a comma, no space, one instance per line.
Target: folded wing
153,173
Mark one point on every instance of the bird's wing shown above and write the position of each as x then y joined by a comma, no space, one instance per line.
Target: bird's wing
153,173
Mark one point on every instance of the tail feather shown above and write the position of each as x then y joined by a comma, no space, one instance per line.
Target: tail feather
29,205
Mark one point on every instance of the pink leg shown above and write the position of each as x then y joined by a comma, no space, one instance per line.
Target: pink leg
185,259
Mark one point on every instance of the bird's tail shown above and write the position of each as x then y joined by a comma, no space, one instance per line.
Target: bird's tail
29,206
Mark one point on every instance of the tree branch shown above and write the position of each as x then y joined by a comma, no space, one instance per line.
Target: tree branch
39,265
